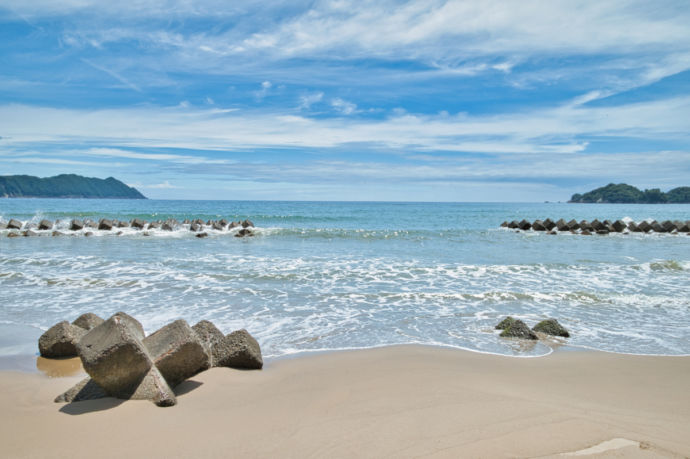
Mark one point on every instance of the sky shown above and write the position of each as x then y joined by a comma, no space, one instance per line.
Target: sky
476,100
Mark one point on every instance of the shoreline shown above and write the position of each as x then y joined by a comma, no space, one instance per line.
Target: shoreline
403,401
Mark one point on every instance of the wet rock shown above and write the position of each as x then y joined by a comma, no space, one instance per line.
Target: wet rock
233,225
138,223
76,225
86,389
597,225
217,226
122,224
247,224
656,227
177,352
211,338
552,233
60,340
167,226
202,235
90,224
538,225
88,234
573,225
632,227
618,226
586,226
195,227
224,222
88,321
45,225
602,232
551,327
561,225
154,225
684,227
13,234
549,224
644,226
518,329
504,224
57,234
105,224
505,323
114,356
524,225
14,224
240,350
29,233
244,232
668,226
513,224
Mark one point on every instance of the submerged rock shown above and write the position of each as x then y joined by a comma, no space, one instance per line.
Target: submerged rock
60,340
138,223
76,225
505,323
518,329
551,327
105,224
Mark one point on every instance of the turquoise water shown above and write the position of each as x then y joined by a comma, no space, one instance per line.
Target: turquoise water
323,275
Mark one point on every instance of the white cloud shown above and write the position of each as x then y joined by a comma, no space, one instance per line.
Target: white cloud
307,100
343,106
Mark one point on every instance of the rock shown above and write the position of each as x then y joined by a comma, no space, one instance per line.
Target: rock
656,227
13,234
29,233
561,225
240,350
60,340
597,225
195,227
602,232
618,226
114,356
668,226
154,225
247,224
551,327
518,329
122,224
524,225
573,225
224,222
217,226
585,225
644,226
76,225
552,233
505,323
632,226
504,224
211,338
14,224
167,226
88,321
132,322
90,224
88,234
105,224
549,224
538,225
57,233
177,352
244,232
137,223
513,224
684,227
202,235
233,225
45,225
154,388
186,221
86,389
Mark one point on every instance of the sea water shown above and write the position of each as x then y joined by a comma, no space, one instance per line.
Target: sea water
342,275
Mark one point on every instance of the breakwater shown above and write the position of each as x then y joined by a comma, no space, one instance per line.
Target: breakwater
604,227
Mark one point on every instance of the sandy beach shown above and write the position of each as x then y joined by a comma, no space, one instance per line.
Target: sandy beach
404,401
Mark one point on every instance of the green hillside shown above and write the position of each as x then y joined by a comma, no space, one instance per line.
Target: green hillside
626,194
65,186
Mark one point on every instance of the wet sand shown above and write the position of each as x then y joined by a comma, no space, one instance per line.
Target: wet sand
403,401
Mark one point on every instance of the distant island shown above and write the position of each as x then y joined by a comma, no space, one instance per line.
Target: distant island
65,186
627,194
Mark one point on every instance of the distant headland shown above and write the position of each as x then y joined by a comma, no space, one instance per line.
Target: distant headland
628,194
65,186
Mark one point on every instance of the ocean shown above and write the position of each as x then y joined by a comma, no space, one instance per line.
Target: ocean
321,276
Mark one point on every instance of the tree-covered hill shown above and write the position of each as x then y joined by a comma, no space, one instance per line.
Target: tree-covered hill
627,194
65,186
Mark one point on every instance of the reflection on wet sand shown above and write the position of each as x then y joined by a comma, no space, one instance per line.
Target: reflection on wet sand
56,368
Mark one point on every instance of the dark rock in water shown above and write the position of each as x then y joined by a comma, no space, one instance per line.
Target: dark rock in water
632,226
202,235
549,224
217,226
208,223
239,349
518,329
114,356
122,224
585,233
668,226
88,234
602,232
597,225
154,225
45,225
573,225
244,232
538,225
14,224
552,233
195,227
247,224
29,233
88,321
76,225
137,223
585,225
186,221
505,323
504,224
211,338
224,222
684,228
167,226
90,224
86,389
199,222
57,233
60,340
551,327
105,224
618,226
524,225
513,224
656,227
13,234
233,225
644,226
177,352
561,225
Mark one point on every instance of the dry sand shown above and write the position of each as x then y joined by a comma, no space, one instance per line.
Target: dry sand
405,401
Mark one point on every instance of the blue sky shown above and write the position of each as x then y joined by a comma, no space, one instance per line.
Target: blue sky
343,100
